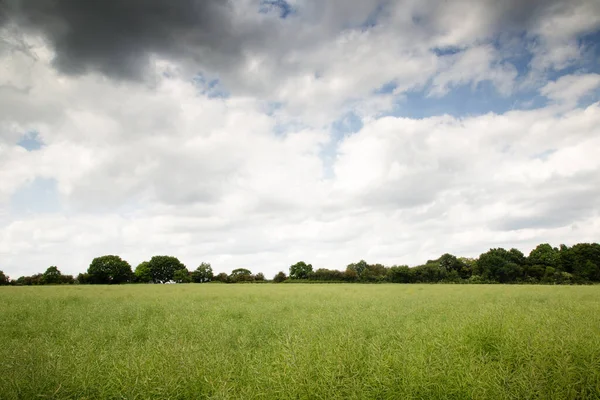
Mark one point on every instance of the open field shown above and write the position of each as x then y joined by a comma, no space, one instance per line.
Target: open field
300,341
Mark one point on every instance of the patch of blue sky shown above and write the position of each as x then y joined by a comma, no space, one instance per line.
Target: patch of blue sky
210,87
38,197
346,125
589,99
463,101
31,141
591,45
281,7
272,107
283,128
446,51
373,17
544,154
386,88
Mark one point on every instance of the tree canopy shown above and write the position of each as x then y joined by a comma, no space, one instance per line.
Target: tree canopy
203,273
52,276
162,268
578,264
300,270
4,280
142,272
241,275
109,269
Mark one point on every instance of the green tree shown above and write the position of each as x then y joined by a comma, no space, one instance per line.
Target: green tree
566,259
401,274
52,276
203,273
300,270
162,268
544,254
4,279
182,276
279,277
109,269
359,267
30,280
241,275
468,264
324,274
350,275
501,265
83,278
586,258
430,272
260,277
142,272
455,266
374,273
222,277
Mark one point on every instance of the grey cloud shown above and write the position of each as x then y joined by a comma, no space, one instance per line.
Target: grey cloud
118,37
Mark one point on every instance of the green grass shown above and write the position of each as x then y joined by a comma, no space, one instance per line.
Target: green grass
300,341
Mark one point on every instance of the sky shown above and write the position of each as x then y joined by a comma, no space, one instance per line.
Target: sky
255,134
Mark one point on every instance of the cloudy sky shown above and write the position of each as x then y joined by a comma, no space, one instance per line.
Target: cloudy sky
255,133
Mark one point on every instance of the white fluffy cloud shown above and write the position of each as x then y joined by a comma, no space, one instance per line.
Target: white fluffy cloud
161,166
568,89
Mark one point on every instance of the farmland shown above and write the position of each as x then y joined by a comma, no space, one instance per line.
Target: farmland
300,341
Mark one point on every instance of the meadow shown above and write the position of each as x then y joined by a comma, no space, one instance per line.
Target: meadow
318,341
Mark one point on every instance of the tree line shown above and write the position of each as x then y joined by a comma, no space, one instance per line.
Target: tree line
578,264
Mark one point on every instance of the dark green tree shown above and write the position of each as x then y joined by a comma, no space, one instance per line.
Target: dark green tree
430,272
300,270
241,275
162,268
4,279
454,266
544,254
586,258
109,269
52,276
401,274
359,267
203,273
374,273
324,274
32,280
260,277
279,277
501,266
566,258
222,277
83,278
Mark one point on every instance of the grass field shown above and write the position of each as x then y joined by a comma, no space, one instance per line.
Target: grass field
300,341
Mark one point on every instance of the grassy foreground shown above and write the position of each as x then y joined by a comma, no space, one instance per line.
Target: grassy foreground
300,341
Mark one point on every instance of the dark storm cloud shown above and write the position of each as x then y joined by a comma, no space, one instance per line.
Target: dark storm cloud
117,37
